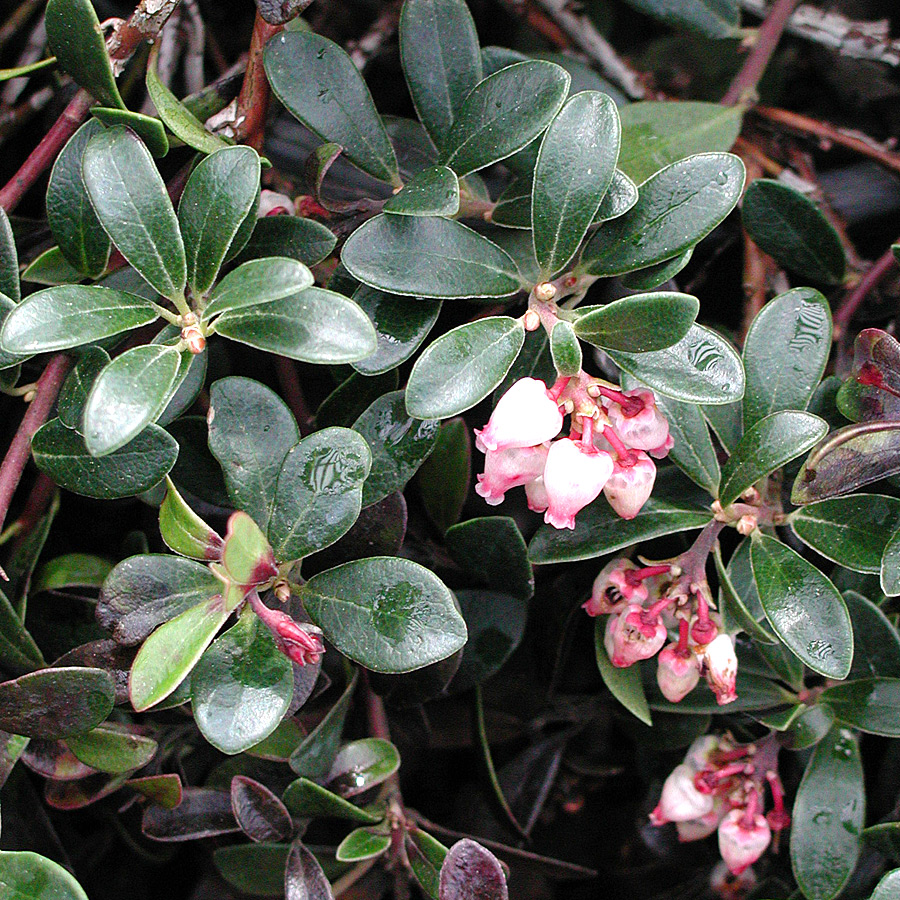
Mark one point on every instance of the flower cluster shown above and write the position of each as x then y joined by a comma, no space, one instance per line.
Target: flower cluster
646,604
720,786
613,434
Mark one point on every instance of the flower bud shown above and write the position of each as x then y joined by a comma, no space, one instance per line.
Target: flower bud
505,469
720,663
742,843
677,673
573,477
524,416
633,635
640,424
271,203
298,641
630,484
680,800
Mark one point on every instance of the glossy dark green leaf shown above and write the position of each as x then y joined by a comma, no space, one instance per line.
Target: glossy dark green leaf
676,208
847,459
350,398
701,368
755,693
399,445
492,550
168,655
52,268
890,566
804,608
361,765
624,684
852,531
130,199
785,353
71,217
885,838
575,165
138,466
217,199
463,366
513,207
54,703
304,878
74,393
565,349
470,870
29,876
307,800
640,323
319,492
148,128
428,257
76,40
620,196
503,113
113,748
828,817
426,856
789,226
251,431
18,652
433,192
305,240
319,84
259,812
9,261
70,315
767,446
363,843
401,324
653,276
441,60
241,687
388,614
809,727
739,603
128,395
316,325
444,477
534,361
9,362
876,644
256,282
869,704
253,869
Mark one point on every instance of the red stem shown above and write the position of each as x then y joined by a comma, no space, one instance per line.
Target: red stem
253,101
867,284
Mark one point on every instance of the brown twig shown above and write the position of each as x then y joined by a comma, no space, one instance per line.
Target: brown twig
253,101
858,294
754,280
744,84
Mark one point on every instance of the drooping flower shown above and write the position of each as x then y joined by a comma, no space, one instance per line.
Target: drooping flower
720,664
702,826
630,484
743,838
526,415
638,422
680,800
613,590
573,477
271,203
677,672
505,469
536,494
632,635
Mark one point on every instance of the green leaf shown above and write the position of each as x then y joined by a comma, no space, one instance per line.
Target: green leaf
350,398
18,652
755,693
9,261
388,614
785,353
241,687
306,800
888,888
71,570
256,282
653,276
804,608
130,199
424,256
640,323
701,368
621,195
305,240
52,268
463,366
433,192
71,217
251,431
29,876
767,446
445,475
149,129
890,566
319,492
503,113
76,40
441,60
624,684
74,393
313,758
869,704
113,748
55,703
828,817
574,167
711,18
363,843
138,466
30,68
253,869
738,597
319,84
852,531
676,209
218,197
247,557
9,362
657,133
401,324
491,549
876,644
70,315
361,765
426,856
885,838
848,459
789,226
168,655
129,394
399,445
565,349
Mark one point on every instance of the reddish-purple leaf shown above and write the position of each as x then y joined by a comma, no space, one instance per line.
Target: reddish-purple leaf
54,760
261,815
70,795
107,655
303,876
201,813
471,872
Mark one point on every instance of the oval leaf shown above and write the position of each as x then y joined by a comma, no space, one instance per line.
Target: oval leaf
303,876
869,704
28,876
113,748
362,843
433,192
259,812
470,870
256,282
361,765
624,684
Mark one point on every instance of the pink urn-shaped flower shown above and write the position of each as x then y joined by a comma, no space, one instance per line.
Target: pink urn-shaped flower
638,422
524,416
680,800
633,635
721,664
630,484
743,839
573,477
505,469
677,673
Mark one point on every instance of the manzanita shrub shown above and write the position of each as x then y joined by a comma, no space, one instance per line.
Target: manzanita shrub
488,286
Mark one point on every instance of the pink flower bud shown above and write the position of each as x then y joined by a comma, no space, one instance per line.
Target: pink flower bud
677,673
505,469
742,843
536,494
524,416
613,590
633,635
630,484
300,642
680,800
720,663
701,827
573,477
639,424
271,203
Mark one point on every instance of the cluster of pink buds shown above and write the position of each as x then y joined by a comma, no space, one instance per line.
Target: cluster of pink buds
721,786
612,432
300,642
647,604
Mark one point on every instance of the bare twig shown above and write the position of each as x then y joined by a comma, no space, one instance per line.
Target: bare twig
754,281
32,52
858,294
380,32
195,31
